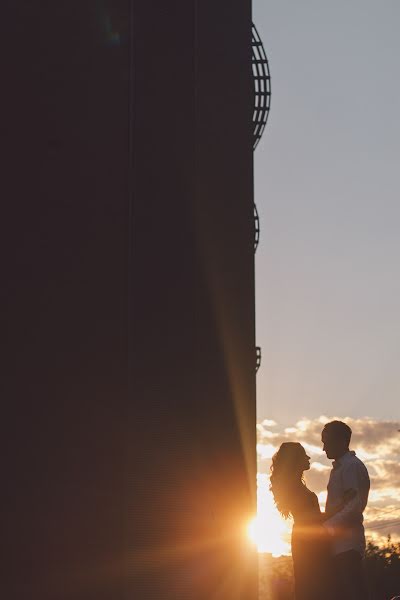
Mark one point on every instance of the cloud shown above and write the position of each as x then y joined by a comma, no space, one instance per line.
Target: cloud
384,472
372,439
268,423
316,479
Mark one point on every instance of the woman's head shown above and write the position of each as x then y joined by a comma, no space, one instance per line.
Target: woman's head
288,466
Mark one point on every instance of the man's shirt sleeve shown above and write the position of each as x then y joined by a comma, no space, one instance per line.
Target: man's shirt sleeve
354,477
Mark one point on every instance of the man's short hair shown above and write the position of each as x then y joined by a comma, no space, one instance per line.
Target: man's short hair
340,430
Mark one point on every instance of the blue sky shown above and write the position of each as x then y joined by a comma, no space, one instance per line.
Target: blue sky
327,182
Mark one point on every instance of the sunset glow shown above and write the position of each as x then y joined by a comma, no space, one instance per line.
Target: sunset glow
268,530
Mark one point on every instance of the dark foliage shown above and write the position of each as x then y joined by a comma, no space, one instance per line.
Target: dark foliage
382,566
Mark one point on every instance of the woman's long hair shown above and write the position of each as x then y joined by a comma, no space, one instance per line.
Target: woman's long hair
285,475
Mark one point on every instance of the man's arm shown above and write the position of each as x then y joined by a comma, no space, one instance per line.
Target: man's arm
356,485
348,495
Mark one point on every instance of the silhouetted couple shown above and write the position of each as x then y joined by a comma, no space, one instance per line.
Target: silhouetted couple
327,548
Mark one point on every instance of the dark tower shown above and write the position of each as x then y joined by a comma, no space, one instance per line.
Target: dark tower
128,301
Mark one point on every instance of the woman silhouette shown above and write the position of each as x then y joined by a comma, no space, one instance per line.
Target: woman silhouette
311,555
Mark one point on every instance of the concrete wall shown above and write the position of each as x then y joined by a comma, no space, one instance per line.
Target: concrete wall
128,301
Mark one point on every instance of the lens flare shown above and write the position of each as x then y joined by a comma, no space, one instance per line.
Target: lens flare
268,530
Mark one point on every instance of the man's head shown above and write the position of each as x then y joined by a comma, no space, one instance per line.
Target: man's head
336,439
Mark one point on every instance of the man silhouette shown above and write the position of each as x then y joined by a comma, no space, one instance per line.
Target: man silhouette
348,479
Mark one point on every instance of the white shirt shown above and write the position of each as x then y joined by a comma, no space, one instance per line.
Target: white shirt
346,526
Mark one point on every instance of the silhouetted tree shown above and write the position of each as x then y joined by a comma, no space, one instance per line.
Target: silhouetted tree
382,565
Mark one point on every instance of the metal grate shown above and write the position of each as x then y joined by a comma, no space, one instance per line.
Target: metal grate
256,228
262,86
258,358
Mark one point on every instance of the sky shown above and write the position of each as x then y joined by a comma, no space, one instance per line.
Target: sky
327,183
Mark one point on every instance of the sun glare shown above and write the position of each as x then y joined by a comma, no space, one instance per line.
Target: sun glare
268,530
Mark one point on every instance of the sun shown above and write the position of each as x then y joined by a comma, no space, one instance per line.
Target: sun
268,533
268,530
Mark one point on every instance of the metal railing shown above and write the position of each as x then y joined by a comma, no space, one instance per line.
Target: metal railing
262,86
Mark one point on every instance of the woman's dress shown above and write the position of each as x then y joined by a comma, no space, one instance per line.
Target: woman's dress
312,563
